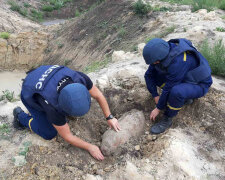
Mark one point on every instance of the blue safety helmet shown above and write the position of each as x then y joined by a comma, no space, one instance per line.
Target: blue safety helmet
75,99
155,50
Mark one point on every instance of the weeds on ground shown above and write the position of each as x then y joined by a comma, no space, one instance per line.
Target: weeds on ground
223,17
8,95
32,13
103,24
158,8
4,35
77,13
4,129
201,4
47,8
95,66
222,5
134,48
162,34
24,150
14,6
60,45
140,8
67,62
36,15
26,5
220,29
215,56
122,32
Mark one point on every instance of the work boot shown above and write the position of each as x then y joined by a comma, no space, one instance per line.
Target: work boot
161,126
188,101
16,123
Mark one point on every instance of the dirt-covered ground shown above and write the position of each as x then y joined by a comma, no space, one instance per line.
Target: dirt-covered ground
192,149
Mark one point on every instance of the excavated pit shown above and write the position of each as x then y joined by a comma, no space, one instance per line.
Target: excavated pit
202,122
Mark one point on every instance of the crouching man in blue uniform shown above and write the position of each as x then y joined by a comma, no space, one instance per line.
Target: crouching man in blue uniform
182,73
50,93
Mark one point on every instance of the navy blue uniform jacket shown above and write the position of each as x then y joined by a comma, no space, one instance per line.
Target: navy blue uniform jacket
175,74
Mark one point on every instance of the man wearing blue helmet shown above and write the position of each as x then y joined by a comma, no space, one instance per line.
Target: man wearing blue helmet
181,71
50,93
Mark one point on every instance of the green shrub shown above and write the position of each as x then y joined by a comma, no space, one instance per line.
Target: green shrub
215,56
222,5
4,35
23,12
203,4
47,8
26,5
14,6
141,8
36,15
57,4
220,29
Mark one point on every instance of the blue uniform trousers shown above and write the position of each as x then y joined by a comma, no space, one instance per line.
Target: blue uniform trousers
180,93
37,122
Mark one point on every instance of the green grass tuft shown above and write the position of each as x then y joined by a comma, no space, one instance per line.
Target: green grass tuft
141,8
95,66
14,6
36,15
67,62
4,129
47,8
26,5
222,5
220,29
203,4
4,35
215,56
122,32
